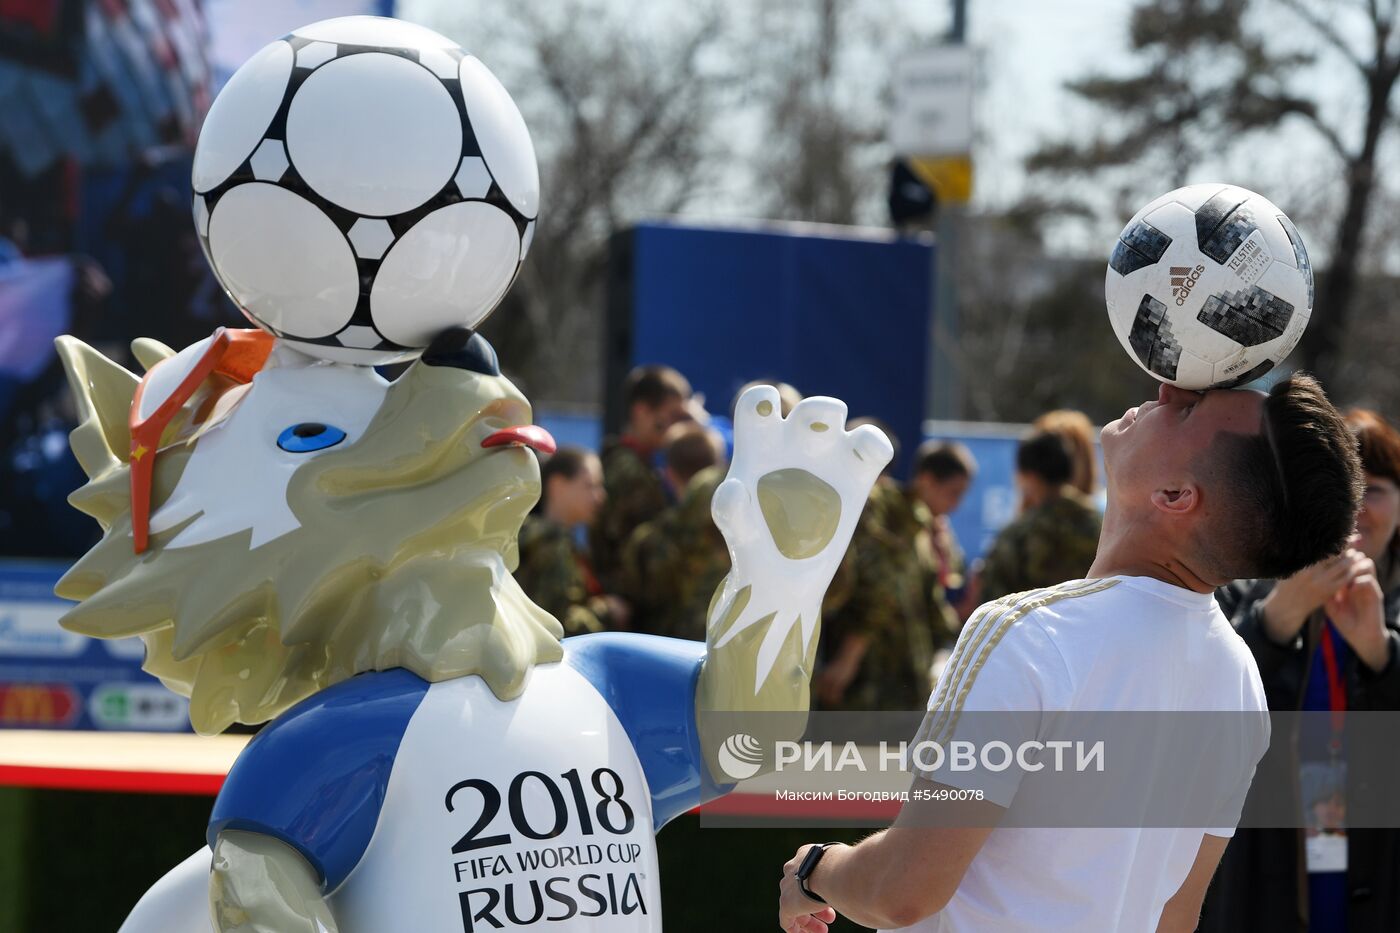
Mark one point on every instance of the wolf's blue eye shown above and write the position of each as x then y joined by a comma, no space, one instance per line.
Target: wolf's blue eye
309,436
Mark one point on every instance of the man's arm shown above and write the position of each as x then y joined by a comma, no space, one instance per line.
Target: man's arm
1183,912
901,875
911,871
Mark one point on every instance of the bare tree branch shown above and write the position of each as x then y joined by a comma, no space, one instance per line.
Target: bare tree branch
1328,133
1306,11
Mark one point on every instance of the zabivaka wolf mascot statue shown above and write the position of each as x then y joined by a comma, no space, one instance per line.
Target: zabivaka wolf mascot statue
300,542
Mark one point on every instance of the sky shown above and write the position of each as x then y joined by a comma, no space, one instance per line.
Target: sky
1027,50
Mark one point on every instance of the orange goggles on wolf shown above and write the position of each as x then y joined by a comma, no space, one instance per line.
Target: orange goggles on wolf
236,355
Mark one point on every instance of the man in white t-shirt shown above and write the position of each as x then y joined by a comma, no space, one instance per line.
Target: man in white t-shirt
1203,488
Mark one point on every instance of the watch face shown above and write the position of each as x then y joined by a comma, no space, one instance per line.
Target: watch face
809,862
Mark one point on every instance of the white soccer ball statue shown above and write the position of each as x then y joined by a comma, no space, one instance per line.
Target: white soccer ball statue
362,184
1209,286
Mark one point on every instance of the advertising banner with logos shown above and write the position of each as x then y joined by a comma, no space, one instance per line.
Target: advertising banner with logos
54,679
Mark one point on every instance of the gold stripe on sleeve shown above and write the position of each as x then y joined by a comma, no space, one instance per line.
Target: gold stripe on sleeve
972,638
939,724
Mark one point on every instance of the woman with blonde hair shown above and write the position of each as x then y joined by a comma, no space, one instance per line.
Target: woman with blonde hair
1075,429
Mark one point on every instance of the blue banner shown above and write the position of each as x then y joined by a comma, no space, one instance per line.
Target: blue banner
836,311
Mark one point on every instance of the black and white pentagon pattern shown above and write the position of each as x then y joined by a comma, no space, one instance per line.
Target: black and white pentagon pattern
1151,338
1223,223
369,239
1139,246
1300,254
1249,316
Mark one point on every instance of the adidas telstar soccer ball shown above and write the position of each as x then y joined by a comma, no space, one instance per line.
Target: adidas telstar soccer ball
362,184
1209,287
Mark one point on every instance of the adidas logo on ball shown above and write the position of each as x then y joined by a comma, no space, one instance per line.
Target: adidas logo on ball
1183,279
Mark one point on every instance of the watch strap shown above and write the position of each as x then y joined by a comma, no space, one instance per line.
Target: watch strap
809,865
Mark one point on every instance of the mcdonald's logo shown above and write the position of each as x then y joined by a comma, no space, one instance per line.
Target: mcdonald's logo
37,705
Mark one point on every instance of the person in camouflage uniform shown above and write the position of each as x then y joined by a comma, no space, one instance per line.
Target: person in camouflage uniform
879,638
943,472
553,571
672,564
656,398
1057,535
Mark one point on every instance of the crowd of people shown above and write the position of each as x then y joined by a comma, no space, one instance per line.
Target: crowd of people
624,539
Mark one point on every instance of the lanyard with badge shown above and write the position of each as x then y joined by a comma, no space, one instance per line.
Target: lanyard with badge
1324,783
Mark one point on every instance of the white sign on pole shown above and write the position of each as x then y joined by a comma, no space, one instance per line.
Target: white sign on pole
932,113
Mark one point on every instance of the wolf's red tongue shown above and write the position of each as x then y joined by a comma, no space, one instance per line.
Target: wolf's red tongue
522,435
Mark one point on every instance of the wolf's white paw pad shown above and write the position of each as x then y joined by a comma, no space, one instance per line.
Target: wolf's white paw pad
787,508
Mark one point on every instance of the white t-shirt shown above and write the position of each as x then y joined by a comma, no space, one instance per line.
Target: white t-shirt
1116,644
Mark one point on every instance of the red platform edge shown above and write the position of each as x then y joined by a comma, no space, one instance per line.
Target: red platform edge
168,782
141,782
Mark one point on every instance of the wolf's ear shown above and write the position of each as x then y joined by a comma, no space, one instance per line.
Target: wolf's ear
149,351
102,391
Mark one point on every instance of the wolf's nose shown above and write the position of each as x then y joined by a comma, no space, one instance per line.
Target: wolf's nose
463,348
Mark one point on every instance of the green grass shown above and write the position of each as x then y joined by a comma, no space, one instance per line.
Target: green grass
14,841
77,862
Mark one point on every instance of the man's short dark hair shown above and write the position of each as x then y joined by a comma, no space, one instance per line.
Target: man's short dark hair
1046,455
566,462
691,448
944,460
653,385
1288,496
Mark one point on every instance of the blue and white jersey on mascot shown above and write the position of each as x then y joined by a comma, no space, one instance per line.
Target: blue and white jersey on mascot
481,814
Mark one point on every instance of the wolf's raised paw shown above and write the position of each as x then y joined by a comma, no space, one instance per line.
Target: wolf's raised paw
787,509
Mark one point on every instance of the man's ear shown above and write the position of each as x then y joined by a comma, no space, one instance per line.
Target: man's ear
1178,501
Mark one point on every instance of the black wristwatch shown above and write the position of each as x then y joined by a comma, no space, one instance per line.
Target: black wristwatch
809,865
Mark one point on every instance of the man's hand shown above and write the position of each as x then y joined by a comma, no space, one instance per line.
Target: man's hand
1357,609
619,611
896,877
798,913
